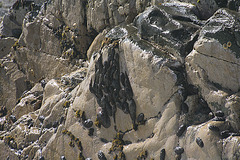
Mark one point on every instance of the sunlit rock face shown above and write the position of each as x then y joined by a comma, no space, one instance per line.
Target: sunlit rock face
120,80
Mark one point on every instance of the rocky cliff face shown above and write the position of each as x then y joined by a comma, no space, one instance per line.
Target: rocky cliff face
120,80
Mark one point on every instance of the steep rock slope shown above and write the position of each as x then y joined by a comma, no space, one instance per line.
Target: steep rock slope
165,86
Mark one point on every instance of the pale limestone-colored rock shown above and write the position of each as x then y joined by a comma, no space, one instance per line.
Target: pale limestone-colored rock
73,15
31,150
38,64
51,107
101,14
52,88
24,107
13,83
51,21
153,105
56,113
30,35
231,148
30,101
37,88
6,44
216,58
44,138
164,134
97,15
33,134
73,79
19,133
205,7
209,64
6,152
84,100
49,42
147,90
209,138
12,23
96,44
232,106
59,144
71,12
155,90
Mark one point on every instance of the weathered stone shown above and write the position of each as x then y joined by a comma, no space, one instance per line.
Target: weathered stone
13,83
96,44
6,44
37,65
6,152
230,148
224,58
26,105
209,138
156,24
12,22
130,70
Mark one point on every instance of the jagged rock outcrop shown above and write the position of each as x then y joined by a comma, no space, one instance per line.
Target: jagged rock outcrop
217,50
6,44
121,80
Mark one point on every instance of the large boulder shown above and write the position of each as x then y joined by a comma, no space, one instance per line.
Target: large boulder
11,25
214,62
13,83
166,26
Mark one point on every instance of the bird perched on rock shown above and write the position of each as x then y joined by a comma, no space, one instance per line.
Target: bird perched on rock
43,83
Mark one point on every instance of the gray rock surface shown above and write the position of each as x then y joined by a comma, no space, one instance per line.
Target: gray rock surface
120,80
